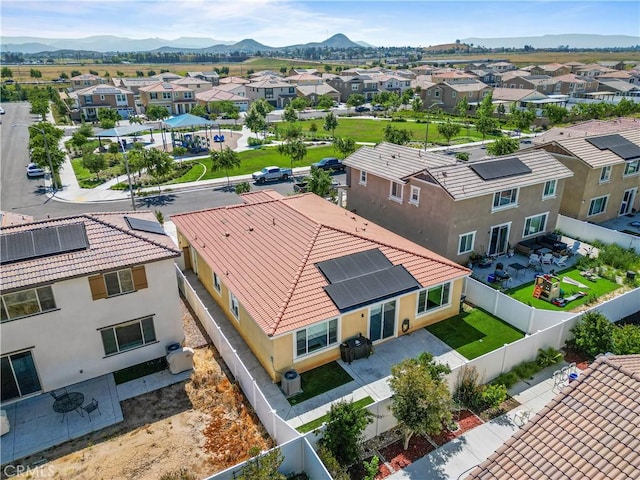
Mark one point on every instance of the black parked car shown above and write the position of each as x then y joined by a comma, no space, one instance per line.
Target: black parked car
362,108
329,163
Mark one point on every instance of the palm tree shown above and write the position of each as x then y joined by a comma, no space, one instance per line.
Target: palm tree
225,160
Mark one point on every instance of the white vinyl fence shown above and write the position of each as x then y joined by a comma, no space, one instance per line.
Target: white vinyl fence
589,232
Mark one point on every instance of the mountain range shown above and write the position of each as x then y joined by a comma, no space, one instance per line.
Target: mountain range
573,40
111,43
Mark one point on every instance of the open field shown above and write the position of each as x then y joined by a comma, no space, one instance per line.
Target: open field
53,71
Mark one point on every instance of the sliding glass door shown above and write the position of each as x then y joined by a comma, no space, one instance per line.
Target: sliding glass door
19,376
382,321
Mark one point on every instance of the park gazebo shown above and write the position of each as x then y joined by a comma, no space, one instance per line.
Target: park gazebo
123,131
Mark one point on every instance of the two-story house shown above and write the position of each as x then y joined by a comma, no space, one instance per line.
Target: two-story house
93,98
551,69
447,95
175,98
86,80
274,90
222,94
354,85
83,296
298,275
196,85
212,77
605,160
455,208
571,85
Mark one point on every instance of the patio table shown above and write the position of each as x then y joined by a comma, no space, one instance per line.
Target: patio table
68,402
517,267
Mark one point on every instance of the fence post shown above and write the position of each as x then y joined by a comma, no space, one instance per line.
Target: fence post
495,302
532,314
504,357
274,426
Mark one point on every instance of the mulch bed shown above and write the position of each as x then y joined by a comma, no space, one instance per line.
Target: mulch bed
489,414
582,361
357,471
398,458
468,420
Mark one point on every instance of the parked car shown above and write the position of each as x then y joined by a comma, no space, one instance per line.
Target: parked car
34,171
329,163
378,108
272,173
362,108
1,111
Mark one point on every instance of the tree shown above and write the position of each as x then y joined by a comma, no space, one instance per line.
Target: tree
462,107
158,164
319,182
500,109
295,149
37,145
108,117
255,121
416,104
33,73
522,118
313,128
290,115
463,156
355,100
262,106
448,130
299,103
486,106
503,146
485,125
345,145
225,160
94,162
330,124
397,136
6,72
421,399
555,113
343,435
593,334
199,111
263,467
324,102
39,100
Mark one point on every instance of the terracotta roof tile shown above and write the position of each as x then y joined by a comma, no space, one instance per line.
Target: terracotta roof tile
267,249
599,438
112,244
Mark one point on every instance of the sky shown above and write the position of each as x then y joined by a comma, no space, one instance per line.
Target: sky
279,23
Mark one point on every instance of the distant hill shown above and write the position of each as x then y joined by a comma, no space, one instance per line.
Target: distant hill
573,40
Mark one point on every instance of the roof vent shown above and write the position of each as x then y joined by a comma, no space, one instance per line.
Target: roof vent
226,234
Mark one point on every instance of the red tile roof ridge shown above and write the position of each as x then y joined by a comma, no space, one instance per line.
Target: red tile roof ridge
618,362
296,280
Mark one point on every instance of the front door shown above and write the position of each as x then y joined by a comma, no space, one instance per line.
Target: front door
382,321
627,201
499,239
19,376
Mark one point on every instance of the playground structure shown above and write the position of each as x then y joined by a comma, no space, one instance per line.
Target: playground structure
547,287
192,142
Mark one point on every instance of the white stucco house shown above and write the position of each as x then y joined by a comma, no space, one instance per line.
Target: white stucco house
83,296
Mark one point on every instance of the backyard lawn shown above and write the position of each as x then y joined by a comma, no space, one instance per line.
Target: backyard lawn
596,289
474,332
320,380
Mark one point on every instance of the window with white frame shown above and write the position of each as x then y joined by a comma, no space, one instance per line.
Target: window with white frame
316,337
128,335
598,205
355,87
605,174
549,189
120,97
234,305
153,96
414,198
466,242
119,282
396,191
454,94
188,95
27,302
102,97
363,177
216,282
166,95
436,93
505,198
268,93
535,224
631,168
434,297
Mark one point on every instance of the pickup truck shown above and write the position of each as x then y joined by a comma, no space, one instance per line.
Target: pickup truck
329,163
268,174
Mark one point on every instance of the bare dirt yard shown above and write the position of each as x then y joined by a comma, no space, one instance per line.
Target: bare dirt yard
199,426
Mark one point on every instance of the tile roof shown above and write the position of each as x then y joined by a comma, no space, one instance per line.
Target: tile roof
579,147
103,90
323,89
239,80
588,128
269,82
515,94
266,253
11,218
215,94
112,245
591,430
164,87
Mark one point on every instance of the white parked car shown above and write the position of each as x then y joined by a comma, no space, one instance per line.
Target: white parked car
34,171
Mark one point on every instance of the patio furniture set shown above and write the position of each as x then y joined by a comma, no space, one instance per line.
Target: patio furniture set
65,402
562,377
542,244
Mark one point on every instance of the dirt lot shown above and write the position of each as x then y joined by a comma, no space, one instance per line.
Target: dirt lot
203,425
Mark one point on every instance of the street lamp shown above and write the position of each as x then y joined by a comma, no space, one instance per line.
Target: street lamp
46,149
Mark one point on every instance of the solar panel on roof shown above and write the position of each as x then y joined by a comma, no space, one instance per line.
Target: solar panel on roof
508,167
374,286
627,151
353,265
148,226
607,141
618,145
42,242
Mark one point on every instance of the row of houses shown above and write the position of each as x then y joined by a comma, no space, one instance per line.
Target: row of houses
442,87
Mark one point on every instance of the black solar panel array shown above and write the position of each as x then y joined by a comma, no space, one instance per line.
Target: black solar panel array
618,145
42,242
354,265
365,289
508,167
148,226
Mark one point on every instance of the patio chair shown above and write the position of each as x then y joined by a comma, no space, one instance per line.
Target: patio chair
534,262
557,379
56,394
572,368
91,407
561,261
574,248
547,259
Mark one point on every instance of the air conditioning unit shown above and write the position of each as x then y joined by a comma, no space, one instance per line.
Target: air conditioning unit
291,384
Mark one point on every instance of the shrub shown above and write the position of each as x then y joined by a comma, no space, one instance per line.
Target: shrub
337,471
243,187
526,369
493,395
626,340
344,430
181,474
593,334
508,379
254,142
548,357
468,389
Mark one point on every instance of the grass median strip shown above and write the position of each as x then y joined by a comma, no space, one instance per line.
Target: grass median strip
313,424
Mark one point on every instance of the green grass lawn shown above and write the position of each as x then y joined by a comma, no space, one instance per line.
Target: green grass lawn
369,130
254,160
313,424
474,332
320,380
600,287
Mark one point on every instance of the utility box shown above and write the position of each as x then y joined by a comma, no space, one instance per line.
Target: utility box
291,383
180,360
